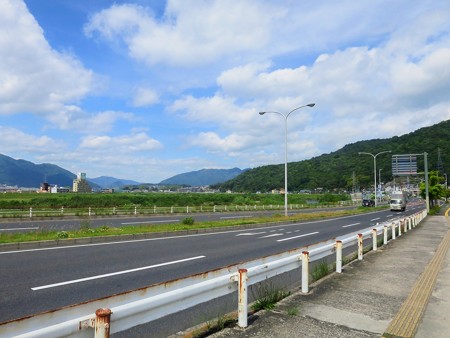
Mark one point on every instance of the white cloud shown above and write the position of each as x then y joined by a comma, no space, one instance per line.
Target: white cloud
13,140
34,77
145,97
120,144
189,33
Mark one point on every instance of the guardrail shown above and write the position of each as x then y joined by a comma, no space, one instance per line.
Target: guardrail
30,212
117,313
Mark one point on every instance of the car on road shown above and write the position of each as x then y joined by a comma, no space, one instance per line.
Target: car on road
368,203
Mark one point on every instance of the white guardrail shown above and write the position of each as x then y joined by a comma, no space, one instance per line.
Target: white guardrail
120,312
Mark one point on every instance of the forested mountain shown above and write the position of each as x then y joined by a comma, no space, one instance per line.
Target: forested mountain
203,177
335,170
27,174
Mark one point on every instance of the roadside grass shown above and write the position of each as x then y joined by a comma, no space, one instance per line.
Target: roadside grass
86,230
267,296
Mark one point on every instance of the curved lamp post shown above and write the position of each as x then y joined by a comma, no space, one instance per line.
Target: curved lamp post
285,149
374,168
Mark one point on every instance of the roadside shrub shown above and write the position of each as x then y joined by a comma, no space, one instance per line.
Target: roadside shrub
188,221
320,270
267,295
62,234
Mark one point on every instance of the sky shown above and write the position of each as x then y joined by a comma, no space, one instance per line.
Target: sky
144,90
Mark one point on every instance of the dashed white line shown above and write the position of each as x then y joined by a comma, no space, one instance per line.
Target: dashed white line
375,219
251,233
350,225
272,235
304,235
114,274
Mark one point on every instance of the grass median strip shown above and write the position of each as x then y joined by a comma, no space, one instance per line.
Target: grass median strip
86,230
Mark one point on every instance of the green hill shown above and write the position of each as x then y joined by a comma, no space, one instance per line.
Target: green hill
27,174
335,170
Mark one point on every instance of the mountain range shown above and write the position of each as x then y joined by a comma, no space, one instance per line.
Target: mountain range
340,169
347,169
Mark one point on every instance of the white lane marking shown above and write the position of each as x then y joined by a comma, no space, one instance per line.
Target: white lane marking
389,216
231,217
287,239
150,222
272,235
77,246
350,225
114,273
12,229
375,219
250,234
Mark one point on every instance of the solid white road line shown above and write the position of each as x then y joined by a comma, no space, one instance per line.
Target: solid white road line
150,222
114,273
350,225
231,217
287,239
12,229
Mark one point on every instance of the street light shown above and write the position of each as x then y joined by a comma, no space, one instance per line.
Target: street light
285,149
374,169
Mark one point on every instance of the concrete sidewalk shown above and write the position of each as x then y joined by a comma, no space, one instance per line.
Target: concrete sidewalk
401,290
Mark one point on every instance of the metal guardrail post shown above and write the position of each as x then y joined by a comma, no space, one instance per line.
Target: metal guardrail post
31,212
409,223
89,212
405,225
385,235
360,246
305,271
393,230
399,228
242,299
339,256
374,239
102,323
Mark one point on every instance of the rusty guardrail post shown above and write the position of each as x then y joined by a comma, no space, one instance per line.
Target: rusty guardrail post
360,246
242,299
385,235
374,239
102,323
338,256
393,230
305,271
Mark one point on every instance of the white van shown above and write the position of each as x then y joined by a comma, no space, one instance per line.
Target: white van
398,201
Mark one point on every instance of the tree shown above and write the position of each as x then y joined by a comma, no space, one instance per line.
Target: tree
435,189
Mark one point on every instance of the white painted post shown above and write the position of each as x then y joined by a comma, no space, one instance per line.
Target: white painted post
114,210
385,235
405,225
409,223
242,299
214,208
399,228
171,209
305,271
31,212
89,212
339,256
62,210
135,210
154,209
374,239
187,209
360,246
393,230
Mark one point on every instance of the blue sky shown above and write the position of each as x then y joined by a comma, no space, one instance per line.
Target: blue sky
145,90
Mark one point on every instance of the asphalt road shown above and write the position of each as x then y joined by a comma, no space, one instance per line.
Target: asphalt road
37,280
24,225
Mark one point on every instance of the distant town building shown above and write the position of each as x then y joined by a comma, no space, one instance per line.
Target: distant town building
80,184
44,187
